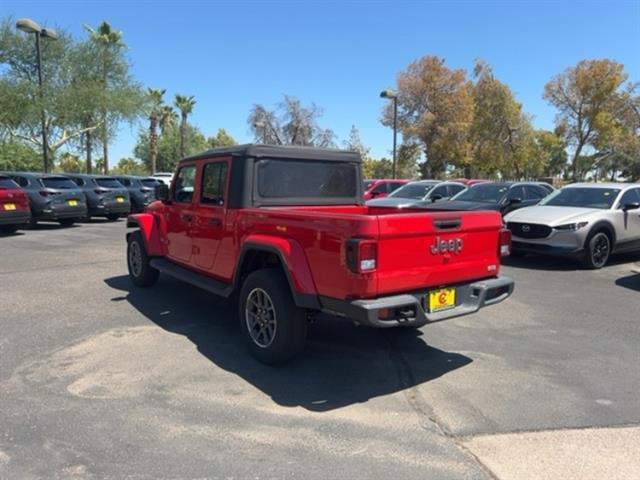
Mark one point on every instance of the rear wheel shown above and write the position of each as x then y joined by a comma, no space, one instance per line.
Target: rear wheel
275,329
112,217
67,222
141,272
597,251
8,228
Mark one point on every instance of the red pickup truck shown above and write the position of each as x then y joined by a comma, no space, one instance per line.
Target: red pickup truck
284,231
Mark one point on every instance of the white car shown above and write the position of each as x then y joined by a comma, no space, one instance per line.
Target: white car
588,221
164,177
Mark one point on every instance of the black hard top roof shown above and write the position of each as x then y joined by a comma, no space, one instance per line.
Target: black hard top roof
280,151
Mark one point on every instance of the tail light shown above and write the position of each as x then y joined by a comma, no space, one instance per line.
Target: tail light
101,190
362,255
505,243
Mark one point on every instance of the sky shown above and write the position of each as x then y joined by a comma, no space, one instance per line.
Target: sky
341,54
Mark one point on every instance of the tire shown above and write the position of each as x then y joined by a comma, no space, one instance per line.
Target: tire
67,222
112,217
597,251
141,273
8,229
265,297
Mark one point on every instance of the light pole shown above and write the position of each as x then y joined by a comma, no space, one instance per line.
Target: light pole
388,93
29,26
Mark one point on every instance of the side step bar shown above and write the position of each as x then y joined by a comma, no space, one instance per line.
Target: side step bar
201,281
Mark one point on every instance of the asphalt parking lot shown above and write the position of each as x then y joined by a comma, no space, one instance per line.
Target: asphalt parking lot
101,380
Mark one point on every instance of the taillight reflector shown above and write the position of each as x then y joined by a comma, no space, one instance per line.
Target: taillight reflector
505,242
362,255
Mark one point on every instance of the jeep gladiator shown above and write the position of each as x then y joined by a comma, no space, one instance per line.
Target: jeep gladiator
284,231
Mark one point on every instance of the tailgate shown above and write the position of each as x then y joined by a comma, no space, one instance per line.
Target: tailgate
418,250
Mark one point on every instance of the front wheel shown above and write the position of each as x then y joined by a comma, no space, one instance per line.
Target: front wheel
275,329
141,272
597,251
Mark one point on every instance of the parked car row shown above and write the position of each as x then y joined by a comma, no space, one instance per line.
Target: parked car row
28,197
584,221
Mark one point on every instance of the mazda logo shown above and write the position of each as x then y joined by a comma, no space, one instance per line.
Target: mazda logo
526,228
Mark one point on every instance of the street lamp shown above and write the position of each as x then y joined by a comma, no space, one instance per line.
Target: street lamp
388,93
29,26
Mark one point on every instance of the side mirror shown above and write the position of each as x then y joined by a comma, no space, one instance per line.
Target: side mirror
513,201
436,197
631,206
162,192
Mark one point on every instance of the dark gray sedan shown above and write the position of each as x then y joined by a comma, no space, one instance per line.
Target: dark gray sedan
51,197
106,196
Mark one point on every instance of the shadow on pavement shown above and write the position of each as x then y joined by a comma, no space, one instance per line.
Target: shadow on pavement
342,364
632,282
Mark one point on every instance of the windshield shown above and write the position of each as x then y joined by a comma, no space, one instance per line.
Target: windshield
484,193
413,190
109,182
300,179
59,182
586,197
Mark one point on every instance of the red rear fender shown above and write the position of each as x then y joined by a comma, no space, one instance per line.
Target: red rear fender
291,255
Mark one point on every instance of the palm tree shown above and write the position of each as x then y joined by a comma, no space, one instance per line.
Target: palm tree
109,41
185,105
155,101
168,118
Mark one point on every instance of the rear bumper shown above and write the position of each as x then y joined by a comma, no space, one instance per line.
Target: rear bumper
57,212
14,218
110,209
469,298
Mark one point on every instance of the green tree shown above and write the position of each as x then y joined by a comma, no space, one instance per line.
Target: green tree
109,45
18,156
381,168
587,96
167,118
21,105
69,163
435,108
129,166
221,139
185,105
290,124
154,97
168,147
407,160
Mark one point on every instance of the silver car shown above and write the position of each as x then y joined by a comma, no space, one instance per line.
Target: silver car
588,221
418,192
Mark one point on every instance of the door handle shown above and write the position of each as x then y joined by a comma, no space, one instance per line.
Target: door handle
215,222
185,217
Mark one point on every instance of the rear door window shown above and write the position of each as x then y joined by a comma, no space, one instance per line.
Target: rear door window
453,189
534,193
8,183
516,192
22,181
299,181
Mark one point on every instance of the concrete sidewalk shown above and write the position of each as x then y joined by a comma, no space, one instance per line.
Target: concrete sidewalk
576,454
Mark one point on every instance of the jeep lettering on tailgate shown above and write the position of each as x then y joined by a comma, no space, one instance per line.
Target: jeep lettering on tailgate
446,246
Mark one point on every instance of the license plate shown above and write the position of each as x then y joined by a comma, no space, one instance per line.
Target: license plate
442,299
9,206
73,203
120,199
